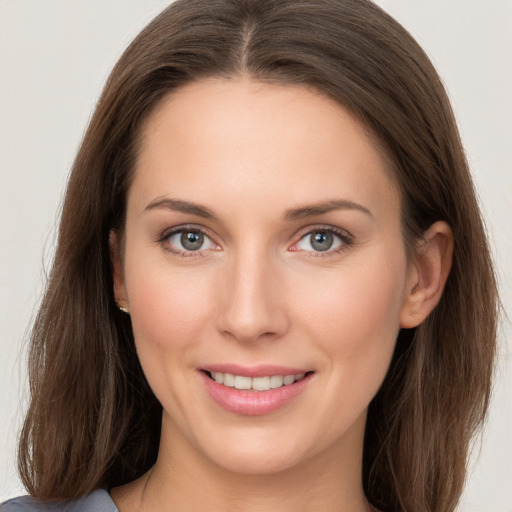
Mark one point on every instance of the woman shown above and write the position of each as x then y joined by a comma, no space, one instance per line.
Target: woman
272,283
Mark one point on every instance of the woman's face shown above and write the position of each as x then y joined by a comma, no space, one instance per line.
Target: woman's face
263,241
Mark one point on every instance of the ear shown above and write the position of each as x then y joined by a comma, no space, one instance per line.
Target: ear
116,260
427,274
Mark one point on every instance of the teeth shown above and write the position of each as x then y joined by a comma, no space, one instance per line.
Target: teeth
228,380
256,383
289,379
261,383
276,381
243,382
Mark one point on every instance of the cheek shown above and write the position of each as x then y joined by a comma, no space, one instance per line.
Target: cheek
354,315
168,315
167,309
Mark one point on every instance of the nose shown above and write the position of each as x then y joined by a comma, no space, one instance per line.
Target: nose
252,305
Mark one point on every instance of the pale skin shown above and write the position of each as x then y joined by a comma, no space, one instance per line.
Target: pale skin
256,169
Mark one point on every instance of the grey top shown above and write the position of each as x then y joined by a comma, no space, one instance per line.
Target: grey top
97,501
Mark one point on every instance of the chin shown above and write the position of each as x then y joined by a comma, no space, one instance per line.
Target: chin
264,450
257,463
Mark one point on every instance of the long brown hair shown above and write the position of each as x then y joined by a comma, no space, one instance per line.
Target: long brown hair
93,420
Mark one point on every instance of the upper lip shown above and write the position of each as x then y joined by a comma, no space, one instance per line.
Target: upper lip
262,370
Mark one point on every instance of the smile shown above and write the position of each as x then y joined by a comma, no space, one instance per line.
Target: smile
242,382
268,389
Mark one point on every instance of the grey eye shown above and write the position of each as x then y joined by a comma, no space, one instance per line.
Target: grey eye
189,240
192,240
321,240
324,240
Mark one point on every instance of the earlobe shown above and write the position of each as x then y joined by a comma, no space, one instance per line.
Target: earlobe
120,294
428,274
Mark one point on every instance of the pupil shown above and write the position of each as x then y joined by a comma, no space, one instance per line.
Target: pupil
321,241
191,240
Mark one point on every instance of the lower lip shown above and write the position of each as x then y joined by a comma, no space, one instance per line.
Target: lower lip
253,403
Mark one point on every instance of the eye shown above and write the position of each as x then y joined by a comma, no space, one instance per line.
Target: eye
323,241
188,240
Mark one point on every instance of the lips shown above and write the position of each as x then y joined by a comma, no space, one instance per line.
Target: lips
254,391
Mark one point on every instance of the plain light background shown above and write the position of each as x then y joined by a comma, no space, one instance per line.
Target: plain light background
54,58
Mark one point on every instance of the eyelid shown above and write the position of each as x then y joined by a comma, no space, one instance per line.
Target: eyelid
183,227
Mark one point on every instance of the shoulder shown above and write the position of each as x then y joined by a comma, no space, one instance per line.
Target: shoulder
97,501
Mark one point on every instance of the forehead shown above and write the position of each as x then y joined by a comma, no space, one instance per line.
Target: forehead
248,141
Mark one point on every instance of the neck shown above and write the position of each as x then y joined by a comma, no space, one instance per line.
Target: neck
184,479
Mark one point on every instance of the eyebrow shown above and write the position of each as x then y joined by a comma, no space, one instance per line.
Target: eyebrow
181,206
324,207
291,214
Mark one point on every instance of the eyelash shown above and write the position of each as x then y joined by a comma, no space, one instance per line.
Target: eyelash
345,238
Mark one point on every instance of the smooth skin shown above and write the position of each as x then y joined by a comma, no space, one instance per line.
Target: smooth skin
253,172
